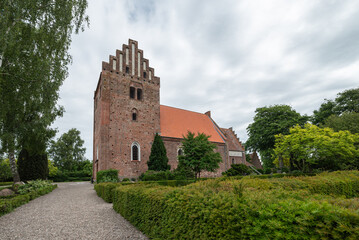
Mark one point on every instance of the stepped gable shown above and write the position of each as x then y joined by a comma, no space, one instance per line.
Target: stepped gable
130,61
233,142
175,123
255,160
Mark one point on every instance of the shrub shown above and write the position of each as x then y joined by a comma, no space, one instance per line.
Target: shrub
5,171
250,208
158,160
33,186
67,176
32,167
237,169
156,176
105,190
5,183
8,204
110,175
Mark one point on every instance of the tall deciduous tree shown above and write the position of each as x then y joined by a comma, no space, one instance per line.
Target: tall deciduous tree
199,154
345,102
35,37
68,151
312,147
158,160
346,121
268,122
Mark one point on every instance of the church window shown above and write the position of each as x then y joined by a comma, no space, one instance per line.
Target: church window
135,152
127,69
132,92
139,94
180,152
232,160
134,114
144,74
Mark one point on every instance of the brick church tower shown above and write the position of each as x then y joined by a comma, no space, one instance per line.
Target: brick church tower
126,113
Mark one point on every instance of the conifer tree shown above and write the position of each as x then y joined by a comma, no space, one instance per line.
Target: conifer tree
158,158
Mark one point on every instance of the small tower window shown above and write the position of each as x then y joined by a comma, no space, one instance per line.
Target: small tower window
135,152
232,160
139,94
127,70
134,114
144,74
180,152
132,92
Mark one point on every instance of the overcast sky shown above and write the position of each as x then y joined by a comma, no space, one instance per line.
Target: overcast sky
227,56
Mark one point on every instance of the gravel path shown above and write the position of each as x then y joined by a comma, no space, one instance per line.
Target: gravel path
72,211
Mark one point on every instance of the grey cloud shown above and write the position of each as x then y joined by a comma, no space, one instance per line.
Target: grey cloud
229,57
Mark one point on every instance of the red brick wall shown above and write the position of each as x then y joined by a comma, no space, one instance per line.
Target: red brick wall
114,130
172,145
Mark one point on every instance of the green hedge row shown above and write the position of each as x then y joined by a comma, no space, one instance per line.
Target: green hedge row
9,204
71,176
6,183
106,190
277,208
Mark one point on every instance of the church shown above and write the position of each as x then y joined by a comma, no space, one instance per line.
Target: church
128,114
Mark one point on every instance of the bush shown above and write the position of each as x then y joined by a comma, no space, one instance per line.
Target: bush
156,176
110,175
33,186
32,167
249,208
65,176
237,169
105,191
5,183
8,204
5,171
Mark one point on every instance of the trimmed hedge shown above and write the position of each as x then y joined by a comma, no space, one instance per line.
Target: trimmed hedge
106,190
276,208
9,204
6,183
71,176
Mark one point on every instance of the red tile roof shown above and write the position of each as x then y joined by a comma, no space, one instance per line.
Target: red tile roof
177,122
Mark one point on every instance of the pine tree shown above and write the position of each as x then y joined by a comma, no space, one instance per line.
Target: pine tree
158,158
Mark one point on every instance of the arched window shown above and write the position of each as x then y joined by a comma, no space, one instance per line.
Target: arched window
132,92
180,152
135,152
134,114
139,94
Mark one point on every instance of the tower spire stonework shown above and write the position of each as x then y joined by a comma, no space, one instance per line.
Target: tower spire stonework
126,112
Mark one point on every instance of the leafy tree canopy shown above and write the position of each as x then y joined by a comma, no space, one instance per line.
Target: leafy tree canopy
268,122
312,147
346,121
199,154
35,37
158,160
67,152
347,101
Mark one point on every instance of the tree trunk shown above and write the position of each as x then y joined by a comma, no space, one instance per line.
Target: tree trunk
15,173
280,159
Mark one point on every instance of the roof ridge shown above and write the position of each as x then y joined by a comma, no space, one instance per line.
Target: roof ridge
183,109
